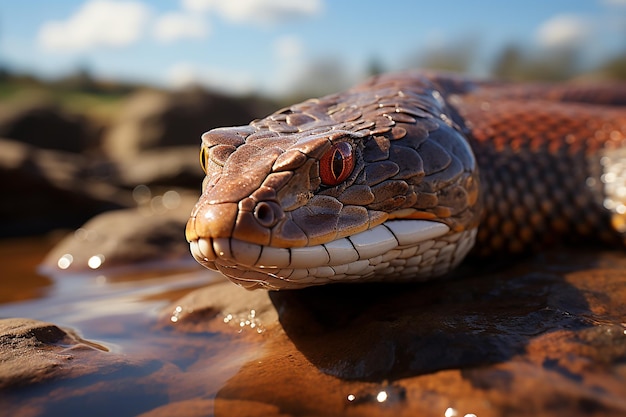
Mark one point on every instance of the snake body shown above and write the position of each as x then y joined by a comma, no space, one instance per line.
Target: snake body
400,177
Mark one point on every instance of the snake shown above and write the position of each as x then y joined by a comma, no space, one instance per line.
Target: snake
402,177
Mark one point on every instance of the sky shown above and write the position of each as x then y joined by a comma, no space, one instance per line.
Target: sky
267,46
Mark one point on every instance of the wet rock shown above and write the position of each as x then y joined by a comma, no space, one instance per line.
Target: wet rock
24,355
47,126
43,190
33,351
151,120
546,337
154,231
222,307
50,371
189,408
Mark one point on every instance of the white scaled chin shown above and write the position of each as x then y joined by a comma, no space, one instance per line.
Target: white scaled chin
397,250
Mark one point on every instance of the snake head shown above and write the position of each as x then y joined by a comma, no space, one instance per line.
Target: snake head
374,183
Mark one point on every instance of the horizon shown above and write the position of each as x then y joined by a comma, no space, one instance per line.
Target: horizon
272,47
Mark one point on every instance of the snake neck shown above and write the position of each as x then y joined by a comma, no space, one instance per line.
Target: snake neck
550,171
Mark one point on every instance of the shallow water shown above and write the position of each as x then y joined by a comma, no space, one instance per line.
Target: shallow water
115,313
545,335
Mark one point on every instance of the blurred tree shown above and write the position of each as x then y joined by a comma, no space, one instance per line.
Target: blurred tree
456,57
80,79
554,64
375,67
614,68
509,63
4,73
322,76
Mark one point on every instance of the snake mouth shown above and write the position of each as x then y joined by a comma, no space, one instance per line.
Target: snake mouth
394,250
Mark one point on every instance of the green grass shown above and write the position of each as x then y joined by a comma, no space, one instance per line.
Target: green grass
100,102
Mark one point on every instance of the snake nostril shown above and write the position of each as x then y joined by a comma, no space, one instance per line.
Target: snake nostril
265,214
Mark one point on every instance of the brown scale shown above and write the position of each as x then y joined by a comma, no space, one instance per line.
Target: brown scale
537,159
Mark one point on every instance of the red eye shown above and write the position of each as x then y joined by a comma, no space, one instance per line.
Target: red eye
336,164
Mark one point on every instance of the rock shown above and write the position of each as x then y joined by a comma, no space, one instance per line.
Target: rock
546,337
151,120
45,189
47,126
152,232
188,408
67,374
208,309
24,355
32,351
175,167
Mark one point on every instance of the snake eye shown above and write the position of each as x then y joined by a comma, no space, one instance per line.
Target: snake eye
336,164
204,157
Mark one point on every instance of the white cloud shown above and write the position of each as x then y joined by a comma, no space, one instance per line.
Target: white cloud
96,23
264,12
289,64
174,26
563,30
288,47
197,5
185,74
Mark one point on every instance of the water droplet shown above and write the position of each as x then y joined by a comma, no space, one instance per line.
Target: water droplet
608,178
245,319
176,314
85,235
156,204
171,199
65,261
95,261
142,194
381,397
450,412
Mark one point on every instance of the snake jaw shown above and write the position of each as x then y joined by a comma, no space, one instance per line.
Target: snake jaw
396,250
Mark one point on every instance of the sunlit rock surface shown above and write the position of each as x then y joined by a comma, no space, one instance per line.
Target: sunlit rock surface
47,126
148,233
151,120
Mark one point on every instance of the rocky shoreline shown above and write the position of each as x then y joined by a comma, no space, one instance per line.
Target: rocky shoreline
544,335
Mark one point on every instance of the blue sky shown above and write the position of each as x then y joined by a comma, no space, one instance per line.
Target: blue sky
267,45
